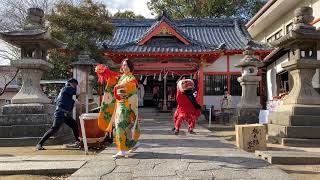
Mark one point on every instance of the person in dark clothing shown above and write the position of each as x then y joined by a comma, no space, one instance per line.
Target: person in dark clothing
63,114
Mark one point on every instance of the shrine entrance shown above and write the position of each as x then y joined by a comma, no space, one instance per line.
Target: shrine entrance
159,76
154,92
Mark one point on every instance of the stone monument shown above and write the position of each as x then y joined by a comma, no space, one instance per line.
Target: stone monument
30,113
249,107
297,121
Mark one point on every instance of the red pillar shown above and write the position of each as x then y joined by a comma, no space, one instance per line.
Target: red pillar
228,74
201,84
261,85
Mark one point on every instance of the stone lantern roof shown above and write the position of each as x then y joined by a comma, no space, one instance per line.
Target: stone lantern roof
84,60
302,31
249,59
33,32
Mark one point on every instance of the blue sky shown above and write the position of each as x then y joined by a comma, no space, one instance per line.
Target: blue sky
137,6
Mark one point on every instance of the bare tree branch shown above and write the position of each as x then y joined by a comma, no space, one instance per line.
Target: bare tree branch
8,83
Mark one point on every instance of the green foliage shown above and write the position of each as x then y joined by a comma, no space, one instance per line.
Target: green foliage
244,9
81,26
128,15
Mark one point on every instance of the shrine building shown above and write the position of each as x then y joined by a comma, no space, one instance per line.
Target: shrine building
165,49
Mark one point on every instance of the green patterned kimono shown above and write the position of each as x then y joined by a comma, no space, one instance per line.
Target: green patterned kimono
123,113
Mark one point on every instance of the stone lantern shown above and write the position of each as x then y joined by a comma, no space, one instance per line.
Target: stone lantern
81,70
296,122
30,113
249,107
34,43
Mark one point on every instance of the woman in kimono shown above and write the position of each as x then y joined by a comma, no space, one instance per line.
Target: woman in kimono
120,107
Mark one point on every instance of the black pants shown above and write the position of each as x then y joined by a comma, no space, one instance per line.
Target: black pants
58,121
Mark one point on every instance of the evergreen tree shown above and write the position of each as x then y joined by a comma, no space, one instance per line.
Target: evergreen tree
244,9
82,26
128,15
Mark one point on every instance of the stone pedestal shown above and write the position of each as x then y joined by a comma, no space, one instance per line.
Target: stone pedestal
297,121
249,107
30,115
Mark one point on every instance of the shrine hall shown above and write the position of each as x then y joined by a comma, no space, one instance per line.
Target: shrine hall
165,49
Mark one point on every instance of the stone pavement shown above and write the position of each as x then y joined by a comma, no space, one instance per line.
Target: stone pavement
42,164
166,156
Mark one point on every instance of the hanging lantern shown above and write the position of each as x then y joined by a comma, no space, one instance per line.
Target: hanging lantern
154,76
160,77
145,81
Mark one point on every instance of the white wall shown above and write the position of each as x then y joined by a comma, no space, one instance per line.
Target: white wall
275,68
283,18
215,101
220,65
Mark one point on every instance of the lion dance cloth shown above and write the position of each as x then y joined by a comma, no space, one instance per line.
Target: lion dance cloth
188,109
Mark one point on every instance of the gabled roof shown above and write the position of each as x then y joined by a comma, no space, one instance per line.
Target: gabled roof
197,35
163,24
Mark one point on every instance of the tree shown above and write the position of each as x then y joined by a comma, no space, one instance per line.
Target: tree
128,15
81,26
244,9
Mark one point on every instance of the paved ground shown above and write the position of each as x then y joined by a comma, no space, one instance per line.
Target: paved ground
205,155
166,156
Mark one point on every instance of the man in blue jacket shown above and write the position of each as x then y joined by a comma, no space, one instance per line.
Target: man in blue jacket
63,114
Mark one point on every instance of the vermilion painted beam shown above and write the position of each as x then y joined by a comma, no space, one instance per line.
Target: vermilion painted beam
165,65
165,54
175,72
163,25
228,71
222,73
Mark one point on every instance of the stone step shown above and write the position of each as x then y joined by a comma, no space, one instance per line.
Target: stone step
59,139
296,120
40,167
23,130
304,132
25,119
34,108
17,131
289,157
294,142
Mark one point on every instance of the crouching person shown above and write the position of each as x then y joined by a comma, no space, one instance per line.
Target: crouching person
63,114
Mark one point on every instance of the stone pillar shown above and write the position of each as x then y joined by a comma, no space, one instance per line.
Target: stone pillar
249,107
296,122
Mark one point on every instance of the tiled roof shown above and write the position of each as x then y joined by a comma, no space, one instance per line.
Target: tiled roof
204,35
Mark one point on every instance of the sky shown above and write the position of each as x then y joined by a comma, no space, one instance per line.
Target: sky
139,7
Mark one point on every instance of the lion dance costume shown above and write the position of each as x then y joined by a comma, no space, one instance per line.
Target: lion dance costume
188,109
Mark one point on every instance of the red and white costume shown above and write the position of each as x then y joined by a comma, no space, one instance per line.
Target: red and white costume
186,110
